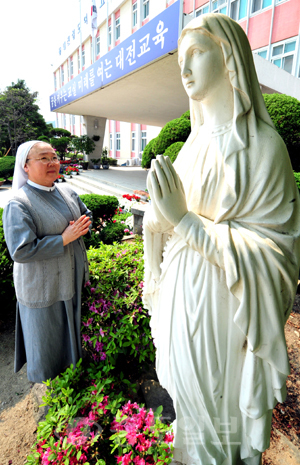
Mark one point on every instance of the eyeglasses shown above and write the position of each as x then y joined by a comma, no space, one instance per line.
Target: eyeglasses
45,160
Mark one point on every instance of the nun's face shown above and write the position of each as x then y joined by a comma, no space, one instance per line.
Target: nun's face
202,65
38,169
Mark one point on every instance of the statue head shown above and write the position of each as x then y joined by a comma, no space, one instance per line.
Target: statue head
227,44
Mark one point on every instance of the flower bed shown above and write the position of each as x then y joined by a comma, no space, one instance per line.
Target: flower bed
84,412
93,419
115,324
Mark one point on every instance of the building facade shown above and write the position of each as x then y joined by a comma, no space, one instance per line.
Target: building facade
272,27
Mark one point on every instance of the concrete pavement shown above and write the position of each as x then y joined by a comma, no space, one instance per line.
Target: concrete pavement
117,180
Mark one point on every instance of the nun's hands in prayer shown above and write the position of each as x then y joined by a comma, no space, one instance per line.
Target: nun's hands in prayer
76,229
167,190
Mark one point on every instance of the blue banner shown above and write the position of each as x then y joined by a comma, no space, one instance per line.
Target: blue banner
155,39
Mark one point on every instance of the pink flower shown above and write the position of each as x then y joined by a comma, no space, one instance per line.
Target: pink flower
114,221
126,230
86,337
131,437
103,356
138,461
98,346
89,322
169,437
101,332
126,459
131,232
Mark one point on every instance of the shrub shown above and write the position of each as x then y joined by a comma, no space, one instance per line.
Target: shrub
146,438
60,132
60,145
148,153
186,115
44,139
6,276
285,114
102,206
7,165
297,179
84,411
116,327
113,232
82,404
112,161
174,131
173,150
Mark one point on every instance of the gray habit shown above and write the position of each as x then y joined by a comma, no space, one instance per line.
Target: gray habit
48,338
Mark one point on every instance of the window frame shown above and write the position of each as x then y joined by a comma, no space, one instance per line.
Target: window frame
200,10
146,9
117,28
109,35
284,55
143,139
118,141
83,58
110,141
71,67
133,141
259,9
98,45
134,14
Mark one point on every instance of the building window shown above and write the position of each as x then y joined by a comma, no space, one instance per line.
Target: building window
145,8
260,5
109,36
283,55
72,66
118,33
68,71
83,58
234,10
110,141
65,121
143,140
203,10
134,14
79,68
62,76
118,141
133,141
98,45
55,81
219,6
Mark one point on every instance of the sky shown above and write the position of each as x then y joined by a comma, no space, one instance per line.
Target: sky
31,32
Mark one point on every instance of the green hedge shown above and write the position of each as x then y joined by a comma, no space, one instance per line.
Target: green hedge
285,114
174,131
102,206
297,179
7,165
148,153
173,150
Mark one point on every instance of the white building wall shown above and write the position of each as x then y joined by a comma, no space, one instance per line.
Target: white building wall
126,27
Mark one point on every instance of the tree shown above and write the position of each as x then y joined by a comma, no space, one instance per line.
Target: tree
83,144
20,119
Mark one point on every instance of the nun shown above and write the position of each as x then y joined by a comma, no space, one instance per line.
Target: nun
44,227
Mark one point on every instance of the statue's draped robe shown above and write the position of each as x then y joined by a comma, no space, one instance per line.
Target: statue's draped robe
228,274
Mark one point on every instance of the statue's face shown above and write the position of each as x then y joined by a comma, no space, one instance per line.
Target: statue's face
202,65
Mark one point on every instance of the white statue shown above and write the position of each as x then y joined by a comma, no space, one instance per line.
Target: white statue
222,255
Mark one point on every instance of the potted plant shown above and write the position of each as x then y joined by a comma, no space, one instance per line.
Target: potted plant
60,178
95,162
104,159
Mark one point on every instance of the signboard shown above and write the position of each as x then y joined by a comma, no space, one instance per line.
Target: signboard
157,38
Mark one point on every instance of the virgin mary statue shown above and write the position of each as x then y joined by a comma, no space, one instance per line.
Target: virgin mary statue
222,255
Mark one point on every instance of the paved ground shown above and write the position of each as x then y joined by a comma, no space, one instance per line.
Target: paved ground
116,180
